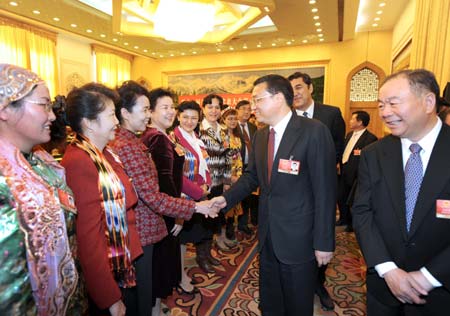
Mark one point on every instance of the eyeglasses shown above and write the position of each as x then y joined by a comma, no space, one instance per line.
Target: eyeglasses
48,106
255,100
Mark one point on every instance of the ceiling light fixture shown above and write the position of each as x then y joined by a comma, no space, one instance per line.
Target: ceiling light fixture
126,44
102,35
382,4
317,24
379,12
314,10
305,41
320,35
377,18
319,30
312,1
374,24
56,19
316,17
145,50
258,45
196,19
36,12
321,39
73,25
288,43
89,31
115,39
13,4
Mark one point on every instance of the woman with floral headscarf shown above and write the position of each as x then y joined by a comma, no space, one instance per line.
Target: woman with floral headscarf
38,270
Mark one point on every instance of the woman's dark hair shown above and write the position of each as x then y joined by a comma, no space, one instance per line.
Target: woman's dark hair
129,91
157,93
189,105
208,100
83,103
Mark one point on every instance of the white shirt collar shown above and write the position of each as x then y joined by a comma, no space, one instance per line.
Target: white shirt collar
281,125
309,110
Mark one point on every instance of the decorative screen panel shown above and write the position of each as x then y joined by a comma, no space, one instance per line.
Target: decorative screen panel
364,86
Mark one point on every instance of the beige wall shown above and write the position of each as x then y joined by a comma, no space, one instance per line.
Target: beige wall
340,58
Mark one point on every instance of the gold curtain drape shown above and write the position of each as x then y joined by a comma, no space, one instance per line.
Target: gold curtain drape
431,38
112,67
29,47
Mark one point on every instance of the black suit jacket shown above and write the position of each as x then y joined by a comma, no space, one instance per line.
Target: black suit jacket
380,223
350,169
331,116
252,130
297,210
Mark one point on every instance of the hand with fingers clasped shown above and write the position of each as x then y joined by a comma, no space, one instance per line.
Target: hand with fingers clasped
219,201
207,208
404,286
323,257
117,309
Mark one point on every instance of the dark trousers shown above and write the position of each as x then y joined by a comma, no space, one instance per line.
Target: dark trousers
344,190
144,267
285,289
246,208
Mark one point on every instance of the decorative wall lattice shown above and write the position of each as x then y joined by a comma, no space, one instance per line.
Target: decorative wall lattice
364,86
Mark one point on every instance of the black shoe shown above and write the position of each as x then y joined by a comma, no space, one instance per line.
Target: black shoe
325,299
229,232
204,265
213,260
245,230
349,229
341,222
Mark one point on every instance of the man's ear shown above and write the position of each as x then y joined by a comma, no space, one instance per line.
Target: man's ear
430,102
125,114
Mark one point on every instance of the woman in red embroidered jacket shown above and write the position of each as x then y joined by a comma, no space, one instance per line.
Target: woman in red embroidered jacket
133,112
108,243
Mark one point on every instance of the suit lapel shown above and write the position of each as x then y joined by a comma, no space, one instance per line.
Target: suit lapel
434,179
392,169
262,152
361,140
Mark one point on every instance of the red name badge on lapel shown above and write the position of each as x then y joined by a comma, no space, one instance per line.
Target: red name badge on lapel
443,209
289,166
357,152
66,200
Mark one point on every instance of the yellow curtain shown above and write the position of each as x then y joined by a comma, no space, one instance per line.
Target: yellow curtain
112,67
29,47
431,38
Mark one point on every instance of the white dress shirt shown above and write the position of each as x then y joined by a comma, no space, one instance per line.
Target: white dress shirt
309,110
351,144
279,131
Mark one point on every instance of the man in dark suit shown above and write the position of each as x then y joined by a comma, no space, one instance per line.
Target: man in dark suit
402,203
356,140
246,131
296,231
331,116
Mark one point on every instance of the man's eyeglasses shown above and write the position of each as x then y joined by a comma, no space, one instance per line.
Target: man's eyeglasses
255,100
48,106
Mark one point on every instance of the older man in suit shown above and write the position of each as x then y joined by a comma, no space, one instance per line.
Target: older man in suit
401,212
356,140
296,231
331,116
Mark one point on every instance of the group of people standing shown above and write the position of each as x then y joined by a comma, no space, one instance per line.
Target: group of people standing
105,231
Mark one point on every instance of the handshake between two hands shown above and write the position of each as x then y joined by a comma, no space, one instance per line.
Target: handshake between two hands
211,208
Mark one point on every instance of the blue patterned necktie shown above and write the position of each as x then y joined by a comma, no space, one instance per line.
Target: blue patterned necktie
413,180
305,114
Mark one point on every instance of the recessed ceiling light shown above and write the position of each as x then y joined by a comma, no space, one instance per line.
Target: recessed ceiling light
266,9
145,50
288,43
183,53
115,39
314,10
219,50
231,48
375,24
321,39
245,46
382,4
312,1
377,18
320,35
161,56
274,44
317,24
126,44
379,12
305,41
319,30
102,35
73,25
89,31
13,4
56,19
171,55
118,33
316,17
258,45
194,52
153,53
36,12
136,47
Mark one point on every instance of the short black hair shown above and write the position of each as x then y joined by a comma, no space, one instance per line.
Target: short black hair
420,80
157,93
242,103
189,105
129,91
363,117
208,99
306,78
277,84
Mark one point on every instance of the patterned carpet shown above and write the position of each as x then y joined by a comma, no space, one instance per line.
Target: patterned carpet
233,290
